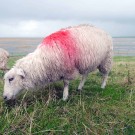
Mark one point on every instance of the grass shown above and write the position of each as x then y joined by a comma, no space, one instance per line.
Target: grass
93,111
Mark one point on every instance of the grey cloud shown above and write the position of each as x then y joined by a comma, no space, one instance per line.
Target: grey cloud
67,9
46,16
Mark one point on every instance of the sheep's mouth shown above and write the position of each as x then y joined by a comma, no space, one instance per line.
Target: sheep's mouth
9,98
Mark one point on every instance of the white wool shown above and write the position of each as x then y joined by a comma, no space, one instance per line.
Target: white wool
46,64
4,55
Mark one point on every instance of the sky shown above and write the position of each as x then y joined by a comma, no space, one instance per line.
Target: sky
39,18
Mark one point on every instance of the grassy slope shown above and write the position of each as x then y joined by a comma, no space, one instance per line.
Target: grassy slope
94,111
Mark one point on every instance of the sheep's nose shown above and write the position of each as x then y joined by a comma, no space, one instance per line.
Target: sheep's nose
5,97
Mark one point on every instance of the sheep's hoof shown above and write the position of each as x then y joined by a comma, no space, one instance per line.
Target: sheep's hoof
65,98
103,87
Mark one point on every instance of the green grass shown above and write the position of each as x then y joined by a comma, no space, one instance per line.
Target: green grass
93,111
124,58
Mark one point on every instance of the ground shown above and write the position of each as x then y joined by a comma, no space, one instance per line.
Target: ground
93,111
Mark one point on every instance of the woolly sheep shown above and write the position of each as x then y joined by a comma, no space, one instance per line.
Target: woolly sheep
62,55
4,55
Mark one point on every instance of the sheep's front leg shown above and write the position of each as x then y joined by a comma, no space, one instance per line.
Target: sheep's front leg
104,81
65,91
82,82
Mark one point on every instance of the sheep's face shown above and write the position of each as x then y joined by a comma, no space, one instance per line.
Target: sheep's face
13,83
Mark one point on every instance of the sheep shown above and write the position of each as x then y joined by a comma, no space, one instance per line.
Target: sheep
62,55
4,55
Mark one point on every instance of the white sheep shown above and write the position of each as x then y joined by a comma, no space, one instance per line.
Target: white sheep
4,55
62,56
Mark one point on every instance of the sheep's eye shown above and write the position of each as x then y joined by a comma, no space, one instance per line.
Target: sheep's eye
11,79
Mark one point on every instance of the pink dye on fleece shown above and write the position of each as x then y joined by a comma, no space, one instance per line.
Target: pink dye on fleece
67,43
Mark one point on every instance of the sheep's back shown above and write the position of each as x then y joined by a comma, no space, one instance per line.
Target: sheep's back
83,47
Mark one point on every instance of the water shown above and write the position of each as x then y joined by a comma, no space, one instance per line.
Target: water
124,46
19,46
23,46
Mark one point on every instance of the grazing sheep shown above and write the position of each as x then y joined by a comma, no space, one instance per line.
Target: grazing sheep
62,56
4,55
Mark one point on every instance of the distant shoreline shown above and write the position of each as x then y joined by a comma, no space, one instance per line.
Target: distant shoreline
123,46
125,37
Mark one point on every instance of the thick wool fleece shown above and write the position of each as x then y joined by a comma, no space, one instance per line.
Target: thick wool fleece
4,55
67,53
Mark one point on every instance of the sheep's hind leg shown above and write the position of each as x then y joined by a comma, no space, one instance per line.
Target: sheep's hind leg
105,68
65,91
83,79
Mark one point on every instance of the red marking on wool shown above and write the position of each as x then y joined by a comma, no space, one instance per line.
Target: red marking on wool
65,40
61,36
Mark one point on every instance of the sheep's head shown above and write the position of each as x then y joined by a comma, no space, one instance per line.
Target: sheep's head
13,83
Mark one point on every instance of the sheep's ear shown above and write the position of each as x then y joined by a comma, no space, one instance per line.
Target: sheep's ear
21,72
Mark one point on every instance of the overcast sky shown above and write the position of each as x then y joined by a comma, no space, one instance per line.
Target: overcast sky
38,18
